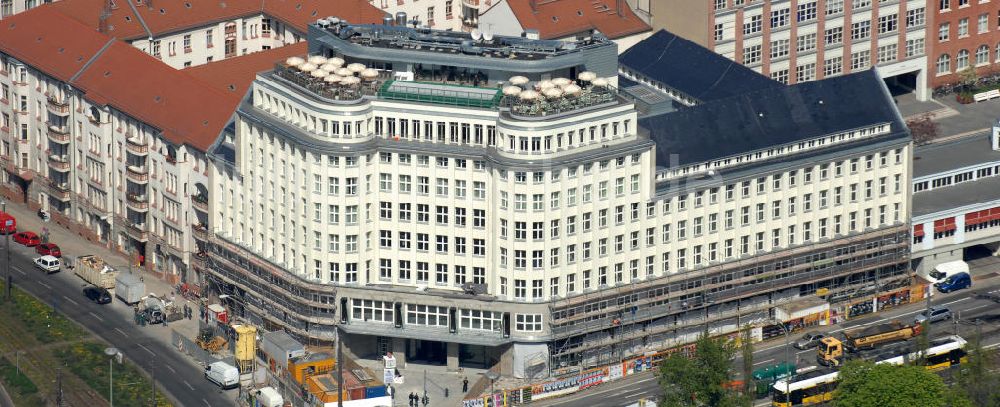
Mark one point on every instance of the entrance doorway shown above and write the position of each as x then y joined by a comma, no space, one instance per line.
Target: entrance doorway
429,352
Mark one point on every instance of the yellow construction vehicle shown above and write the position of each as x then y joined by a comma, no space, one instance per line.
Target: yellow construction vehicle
831,350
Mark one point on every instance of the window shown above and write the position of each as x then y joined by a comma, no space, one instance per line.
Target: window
861,3
751,55
860,59
887,23
807,11
914,47
887,53
779,18
943,64
431,315
963,28
984,23
944,4
982,55
530,322
372,310
806,42
834,7
834,35
719,33
805,72
779,48
962,60
720,4
915,17
861,30
944,31
754,25
780,75
481,320
833,66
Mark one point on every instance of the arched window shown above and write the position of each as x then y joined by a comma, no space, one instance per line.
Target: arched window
982,55
962,60
943,64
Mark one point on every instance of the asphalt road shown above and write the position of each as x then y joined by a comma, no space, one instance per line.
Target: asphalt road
629,390
176,374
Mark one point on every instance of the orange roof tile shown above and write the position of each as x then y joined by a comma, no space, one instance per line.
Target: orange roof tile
559,18
132,20
186,110
49,48
234,75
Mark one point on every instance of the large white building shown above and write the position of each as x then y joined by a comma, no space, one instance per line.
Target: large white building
428,212
109,141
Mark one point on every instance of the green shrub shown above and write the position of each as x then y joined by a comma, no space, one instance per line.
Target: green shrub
88,361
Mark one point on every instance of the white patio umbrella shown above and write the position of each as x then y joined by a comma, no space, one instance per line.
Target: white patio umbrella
317,60
561,81
518,80
528,95
350,80
369,74
552,93
356,67
572,89
343,72
332,78
319,73
338,61
600,82
294,61
511,90
329,67
546,84
307,67
586,76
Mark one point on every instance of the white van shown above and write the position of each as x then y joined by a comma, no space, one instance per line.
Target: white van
945,270
223,374
48,264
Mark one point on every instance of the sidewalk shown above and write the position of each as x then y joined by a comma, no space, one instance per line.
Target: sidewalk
73,245
439,378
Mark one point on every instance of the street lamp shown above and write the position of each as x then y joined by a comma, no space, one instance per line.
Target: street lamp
788,380
112,353
493,376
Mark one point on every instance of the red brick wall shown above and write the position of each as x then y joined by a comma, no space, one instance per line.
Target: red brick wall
990,38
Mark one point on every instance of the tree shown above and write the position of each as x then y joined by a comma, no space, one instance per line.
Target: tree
923,128
974,379
700,380
865,384
968,78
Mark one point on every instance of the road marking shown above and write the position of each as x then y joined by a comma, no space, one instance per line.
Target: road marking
630,394
146,349
45,285
95,316
206,403
19,270
188,385
70,300
121,332
975,308
897,316
805,351
171,369
764,361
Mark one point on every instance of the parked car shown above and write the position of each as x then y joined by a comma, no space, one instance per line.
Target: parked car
97,294
48,264
809,340
29,239
50,249
935,314
954,282
223,374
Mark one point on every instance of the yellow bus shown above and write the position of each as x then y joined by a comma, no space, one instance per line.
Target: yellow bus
818,388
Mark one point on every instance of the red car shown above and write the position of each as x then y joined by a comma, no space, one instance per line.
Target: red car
29,239
50,249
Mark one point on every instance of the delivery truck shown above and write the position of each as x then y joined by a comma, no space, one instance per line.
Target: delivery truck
129,288
94,270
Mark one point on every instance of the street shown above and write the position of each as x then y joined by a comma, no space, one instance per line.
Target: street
962,303
148,347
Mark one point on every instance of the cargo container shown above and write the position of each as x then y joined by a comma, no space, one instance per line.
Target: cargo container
94,270
374,391
8,224
129,287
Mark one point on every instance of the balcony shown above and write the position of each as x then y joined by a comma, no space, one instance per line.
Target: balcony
137,202
200,203
200,232
136,146
59,163
137,174
59,134
137,231
58,108
59,191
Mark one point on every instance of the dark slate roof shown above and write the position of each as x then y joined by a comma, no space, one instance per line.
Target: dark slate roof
772,116
691,69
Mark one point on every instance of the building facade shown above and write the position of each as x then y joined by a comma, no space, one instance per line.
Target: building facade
966,35
444,220
123,170
794,41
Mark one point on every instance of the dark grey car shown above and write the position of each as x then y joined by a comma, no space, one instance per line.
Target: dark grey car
97,294
809,340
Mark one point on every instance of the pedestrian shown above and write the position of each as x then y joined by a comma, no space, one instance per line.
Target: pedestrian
465,385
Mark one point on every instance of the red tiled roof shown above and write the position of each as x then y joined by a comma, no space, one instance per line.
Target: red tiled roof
166,16
559,18
186,110
234,75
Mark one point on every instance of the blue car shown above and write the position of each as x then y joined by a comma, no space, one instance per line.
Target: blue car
954,282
